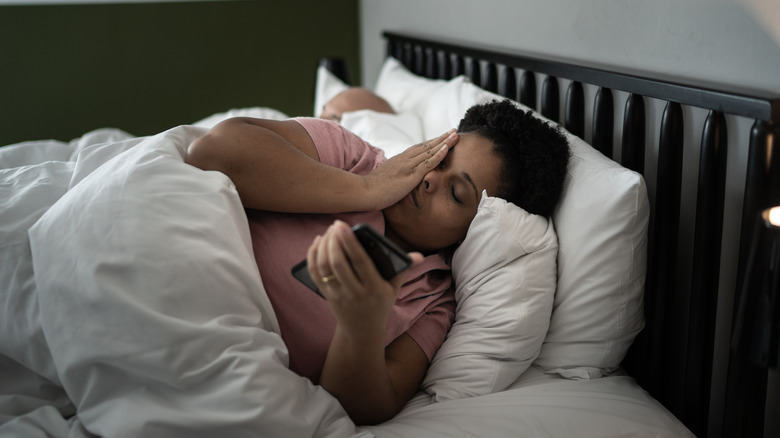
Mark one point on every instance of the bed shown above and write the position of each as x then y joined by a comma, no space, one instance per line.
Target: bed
111,325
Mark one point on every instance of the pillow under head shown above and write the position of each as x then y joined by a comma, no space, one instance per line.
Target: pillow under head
504,273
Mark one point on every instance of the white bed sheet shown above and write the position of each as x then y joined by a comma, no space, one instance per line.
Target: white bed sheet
541,405
34,403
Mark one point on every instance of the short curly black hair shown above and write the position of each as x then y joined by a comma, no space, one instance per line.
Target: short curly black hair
534,154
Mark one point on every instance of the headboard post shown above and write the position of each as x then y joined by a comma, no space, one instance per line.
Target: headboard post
551,107
528,89
603,122
665,349
746,382
706,262
508,82
474,70
634,134
574,119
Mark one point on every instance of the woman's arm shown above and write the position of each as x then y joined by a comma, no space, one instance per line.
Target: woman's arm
275,166
372,382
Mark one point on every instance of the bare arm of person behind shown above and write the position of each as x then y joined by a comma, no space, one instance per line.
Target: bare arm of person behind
265,160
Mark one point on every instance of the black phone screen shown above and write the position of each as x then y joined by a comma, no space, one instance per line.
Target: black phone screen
387,257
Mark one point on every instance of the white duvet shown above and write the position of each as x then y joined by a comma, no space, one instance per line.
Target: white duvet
145,307
130,305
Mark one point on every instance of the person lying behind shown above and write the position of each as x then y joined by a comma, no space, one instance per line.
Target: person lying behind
354,99
304,181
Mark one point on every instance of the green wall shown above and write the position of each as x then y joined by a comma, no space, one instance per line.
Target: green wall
145,67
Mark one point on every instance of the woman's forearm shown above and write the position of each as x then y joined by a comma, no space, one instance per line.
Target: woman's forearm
372,381
275,167
356,373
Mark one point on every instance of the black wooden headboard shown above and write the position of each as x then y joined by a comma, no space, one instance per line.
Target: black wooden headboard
673,357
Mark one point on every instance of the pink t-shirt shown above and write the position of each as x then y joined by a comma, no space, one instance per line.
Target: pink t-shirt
425,307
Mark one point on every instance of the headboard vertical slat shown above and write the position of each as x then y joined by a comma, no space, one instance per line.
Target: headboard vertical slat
705,271
393,48
634,127
474,70
508,83
459,68
419,61
574,111
408,56
603,122
551,103
490,80
662,259
430,62
528,89
445,65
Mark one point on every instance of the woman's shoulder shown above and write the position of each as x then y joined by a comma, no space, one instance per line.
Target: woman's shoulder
339,147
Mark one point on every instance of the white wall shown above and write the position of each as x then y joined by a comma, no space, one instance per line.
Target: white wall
713,40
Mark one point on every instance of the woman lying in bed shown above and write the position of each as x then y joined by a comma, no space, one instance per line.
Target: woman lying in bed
371,341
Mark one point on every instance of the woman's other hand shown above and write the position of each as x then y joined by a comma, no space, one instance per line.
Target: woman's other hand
361,300
399,175
372,381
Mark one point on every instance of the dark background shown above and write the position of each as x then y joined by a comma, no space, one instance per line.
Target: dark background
146,67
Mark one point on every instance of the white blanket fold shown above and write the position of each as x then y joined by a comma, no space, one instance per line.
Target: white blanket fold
151,305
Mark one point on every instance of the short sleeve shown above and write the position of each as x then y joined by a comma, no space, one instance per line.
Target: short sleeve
431,328
338,147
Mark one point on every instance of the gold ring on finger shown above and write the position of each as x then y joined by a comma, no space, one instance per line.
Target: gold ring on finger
328,278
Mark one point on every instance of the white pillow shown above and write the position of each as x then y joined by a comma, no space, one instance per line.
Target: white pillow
259,112
403,90
505,276
327,86
439,104
393,133
601,222
447,105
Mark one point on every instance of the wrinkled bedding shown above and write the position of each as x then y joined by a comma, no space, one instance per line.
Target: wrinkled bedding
125,307
131,305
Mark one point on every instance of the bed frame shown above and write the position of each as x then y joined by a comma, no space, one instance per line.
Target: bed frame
708,173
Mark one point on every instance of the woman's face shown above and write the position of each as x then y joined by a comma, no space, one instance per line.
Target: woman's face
438,212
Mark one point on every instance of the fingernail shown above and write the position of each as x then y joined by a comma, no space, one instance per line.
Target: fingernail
340,226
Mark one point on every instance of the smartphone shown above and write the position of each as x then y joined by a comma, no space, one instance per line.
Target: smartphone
388,258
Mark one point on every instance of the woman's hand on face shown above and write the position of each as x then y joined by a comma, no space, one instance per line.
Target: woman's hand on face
359,297
399,175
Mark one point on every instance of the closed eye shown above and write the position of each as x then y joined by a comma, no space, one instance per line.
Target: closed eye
454,196
441,166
